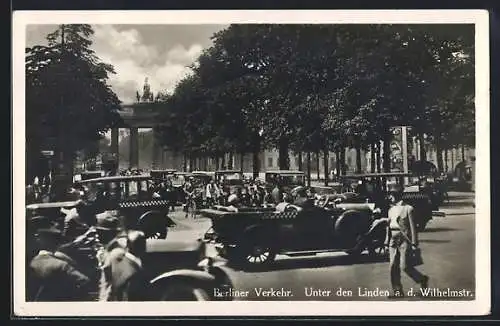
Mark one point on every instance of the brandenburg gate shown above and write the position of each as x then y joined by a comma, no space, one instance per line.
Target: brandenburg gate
145,113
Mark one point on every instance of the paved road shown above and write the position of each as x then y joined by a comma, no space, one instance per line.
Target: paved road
447,245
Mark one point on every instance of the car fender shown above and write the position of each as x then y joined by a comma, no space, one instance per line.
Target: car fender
184,274
380,222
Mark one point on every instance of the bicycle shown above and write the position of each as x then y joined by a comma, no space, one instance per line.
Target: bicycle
191,206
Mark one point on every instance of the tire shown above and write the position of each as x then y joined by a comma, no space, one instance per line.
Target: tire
420,226
153,224
350,228
254,252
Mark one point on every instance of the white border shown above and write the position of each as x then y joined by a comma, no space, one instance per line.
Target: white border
480,306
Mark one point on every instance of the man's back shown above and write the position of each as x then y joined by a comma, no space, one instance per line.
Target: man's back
54,279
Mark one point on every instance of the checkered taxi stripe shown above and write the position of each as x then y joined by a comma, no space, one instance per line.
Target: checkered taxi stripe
149,203
280,216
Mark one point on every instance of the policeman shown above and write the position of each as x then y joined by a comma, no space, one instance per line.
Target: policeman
401,238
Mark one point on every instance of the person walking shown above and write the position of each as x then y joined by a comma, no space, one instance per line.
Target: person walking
402,239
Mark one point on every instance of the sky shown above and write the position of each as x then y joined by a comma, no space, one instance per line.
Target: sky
162,53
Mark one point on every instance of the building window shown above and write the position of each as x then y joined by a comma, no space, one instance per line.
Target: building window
269,162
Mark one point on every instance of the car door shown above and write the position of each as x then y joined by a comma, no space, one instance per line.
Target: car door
313,229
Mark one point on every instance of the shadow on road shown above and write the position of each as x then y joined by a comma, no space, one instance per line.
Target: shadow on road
433,241
442,229
316,262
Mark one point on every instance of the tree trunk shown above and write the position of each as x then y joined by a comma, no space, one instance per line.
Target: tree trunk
184,162
379,164
358,159
372,158
300,161
223,162
421,141
337,163
230,161
463,153
283,159
387,153
446,160
342,162
317,166
256,163
325,165
308,159
439,154
242,161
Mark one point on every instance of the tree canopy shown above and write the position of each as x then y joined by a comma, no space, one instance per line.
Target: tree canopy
69,104
320,87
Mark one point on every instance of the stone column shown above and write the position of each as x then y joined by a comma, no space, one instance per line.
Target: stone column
155,149
134,147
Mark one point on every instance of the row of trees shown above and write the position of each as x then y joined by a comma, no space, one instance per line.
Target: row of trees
322,88
69,103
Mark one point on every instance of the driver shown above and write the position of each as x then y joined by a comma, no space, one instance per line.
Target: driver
302,199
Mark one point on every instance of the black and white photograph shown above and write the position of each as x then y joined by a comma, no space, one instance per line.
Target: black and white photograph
268,163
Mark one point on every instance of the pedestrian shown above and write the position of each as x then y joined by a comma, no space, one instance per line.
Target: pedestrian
402,239
53,276
210,193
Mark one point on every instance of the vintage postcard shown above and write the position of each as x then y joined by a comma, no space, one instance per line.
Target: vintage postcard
289,163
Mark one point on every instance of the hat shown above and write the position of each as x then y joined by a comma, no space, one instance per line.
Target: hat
50,231
109,220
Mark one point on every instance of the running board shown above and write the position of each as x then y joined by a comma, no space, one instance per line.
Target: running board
309,252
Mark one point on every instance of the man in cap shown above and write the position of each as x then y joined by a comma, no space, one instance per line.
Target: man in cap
122,278
52,276
402,237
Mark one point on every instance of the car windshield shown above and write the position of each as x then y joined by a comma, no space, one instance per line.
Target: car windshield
294,180
232,178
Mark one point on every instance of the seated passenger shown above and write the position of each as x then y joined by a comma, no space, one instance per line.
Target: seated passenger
303,200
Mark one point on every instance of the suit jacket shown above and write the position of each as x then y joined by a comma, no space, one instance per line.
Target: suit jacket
123,275
53,278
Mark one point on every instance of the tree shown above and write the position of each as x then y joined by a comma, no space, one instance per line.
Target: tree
68,99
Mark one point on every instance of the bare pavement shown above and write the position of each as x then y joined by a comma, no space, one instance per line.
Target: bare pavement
448,247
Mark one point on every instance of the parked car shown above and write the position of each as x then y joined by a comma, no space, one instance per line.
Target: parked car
231,179
254,236
374,187
286,179
135,197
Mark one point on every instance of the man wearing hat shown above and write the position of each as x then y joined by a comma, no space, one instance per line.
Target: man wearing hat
51,276
401,238
122,278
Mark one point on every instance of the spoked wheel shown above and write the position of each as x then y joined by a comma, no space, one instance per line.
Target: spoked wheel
378,250
156,235
191,210
257,255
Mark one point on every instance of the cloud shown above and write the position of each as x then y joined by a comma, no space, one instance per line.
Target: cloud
134,60
161,53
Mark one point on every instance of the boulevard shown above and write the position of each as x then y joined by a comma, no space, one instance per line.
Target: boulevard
448,249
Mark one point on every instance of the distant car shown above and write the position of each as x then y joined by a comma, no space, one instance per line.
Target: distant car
162,174
231,179
135,197
375,188
287,179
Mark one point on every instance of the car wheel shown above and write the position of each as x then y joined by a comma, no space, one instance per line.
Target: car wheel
157,235
420,226
258,254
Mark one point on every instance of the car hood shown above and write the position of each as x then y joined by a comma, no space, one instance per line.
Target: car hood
176,241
